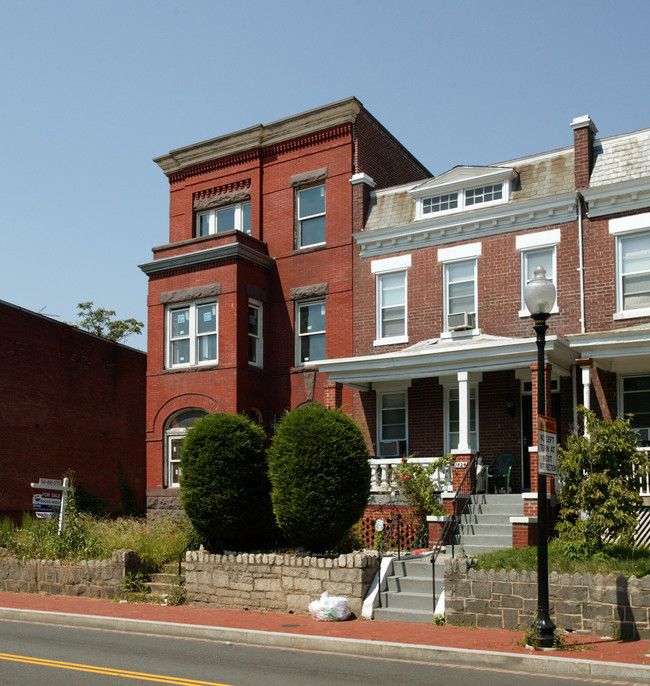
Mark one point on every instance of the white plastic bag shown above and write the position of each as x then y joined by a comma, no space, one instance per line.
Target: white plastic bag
330,609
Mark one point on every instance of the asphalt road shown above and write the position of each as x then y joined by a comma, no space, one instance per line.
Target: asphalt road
43,655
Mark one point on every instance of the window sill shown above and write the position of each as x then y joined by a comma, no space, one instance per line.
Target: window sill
391,341
632,314
309,248
193,368
468,333
525,313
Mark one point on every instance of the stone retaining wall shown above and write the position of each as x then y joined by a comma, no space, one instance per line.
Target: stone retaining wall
593,604
277,582
89,578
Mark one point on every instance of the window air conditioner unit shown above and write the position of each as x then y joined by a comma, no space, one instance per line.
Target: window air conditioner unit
459,321
392,448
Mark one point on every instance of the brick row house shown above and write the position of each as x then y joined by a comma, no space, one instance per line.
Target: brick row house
315,259
445,355
256,283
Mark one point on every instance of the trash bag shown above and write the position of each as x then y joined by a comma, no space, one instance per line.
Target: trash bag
330,609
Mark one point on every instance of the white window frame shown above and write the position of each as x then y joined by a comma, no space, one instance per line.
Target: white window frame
473,399
171,435
621,228
242,219
193,336
621,404
256,338
300,218
299,336
381,394
382,268
461,200
449,257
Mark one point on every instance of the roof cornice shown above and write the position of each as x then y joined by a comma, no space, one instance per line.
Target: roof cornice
486,221
261,135
611,198
222,252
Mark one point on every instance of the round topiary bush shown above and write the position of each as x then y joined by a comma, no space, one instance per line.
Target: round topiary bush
225,490
320,476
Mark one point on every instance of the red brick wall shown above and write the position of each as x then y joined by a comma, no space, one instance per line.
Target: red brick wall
70,401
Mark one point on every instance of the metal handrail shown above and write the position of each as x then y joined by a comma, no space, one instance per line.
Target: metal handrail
181,581
395,522
450,525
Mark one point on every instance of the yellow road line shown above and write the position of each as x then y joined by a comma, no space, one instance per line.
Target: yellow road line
159,678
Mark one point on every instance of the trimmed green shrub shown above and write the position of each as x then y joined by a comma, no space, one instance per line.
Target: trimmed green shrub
224,482
602,473
320,476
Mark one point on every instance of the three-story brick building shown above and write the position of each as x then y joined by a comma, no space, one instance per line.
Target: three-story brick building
256,283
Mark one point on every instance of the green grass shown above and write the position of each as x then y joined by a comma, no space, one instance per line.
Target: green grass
565,558
96,538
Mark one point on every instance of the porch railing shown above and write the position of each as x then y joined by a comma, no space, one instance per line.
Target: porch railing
381,469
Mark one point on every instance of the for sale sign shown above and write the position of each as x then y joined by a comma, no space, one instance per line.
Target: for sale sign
46,501
546,446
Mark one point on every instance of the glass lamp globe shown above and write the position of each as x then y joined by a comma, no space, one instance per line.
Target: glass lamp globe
540,293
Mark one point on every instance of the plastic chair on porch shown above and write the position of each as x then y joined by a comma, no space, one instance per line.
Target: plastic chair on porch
500,469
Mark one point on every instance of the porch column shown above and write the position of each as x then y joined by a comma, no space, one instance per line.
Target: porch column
585,368
463,413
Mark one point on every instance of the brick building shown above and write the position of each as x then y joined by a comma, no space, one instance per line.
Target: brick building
444,350
69,401
256,283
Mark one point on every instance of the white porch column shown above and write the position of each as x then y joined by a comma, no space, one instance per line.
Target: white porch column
586,391
463,412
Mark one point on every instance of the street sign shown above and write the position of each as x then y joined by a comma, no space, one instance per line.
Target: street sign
49,484
546,446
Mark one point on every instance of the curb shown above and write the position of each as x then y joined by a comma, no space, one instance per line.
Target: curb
545,665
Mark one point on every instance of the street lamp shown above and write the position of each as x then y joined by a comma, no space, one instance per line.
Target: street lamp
539,295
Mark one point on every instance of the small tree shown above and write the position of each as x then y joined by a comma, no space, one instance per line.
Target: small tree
103,323
601,474
224,482
320,476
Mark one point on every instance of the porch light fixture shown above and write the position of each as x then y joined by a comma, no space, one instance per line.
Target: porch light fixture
539,295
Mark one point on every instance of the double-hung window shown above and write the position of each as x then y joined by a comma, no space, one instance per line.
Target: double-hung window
391,298
310,216
634,271
636,401
460,287
632,265
392,410
537,250
192,334
254,333
310,331
228,218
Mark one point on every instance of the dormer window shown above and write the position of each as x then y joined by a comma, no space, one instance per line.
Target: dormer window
463,188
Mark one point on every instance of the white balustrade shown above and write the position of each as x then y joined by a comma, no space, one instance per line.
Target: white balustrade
381,469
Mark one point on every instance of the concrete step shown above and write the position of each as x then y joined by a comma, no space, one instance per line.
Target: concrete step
407,601
486,529
164,578
160,588
409,584
384,614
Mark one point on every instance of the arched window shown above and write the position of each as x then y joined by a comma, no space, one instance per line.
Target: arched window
256,416
175,430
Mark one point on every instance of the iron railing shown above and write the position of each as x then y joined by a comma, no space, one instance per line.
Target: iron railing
464,490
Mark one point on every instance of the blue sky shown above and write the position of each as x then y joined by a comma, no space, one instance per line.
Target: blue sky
91,91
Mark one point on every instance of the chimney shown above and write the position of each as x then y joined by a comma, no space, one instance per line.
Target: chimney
584,132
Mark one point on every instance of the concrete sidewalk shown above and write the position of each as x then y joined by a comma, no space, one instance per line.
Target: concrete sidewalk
588,657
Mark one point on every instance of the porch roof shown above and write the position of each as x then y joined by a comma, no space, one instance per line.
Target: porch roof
620,350
442,356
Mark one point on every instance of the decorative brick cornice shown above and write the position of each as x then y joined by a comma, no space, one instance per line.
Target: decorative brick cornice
215,165
308,141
